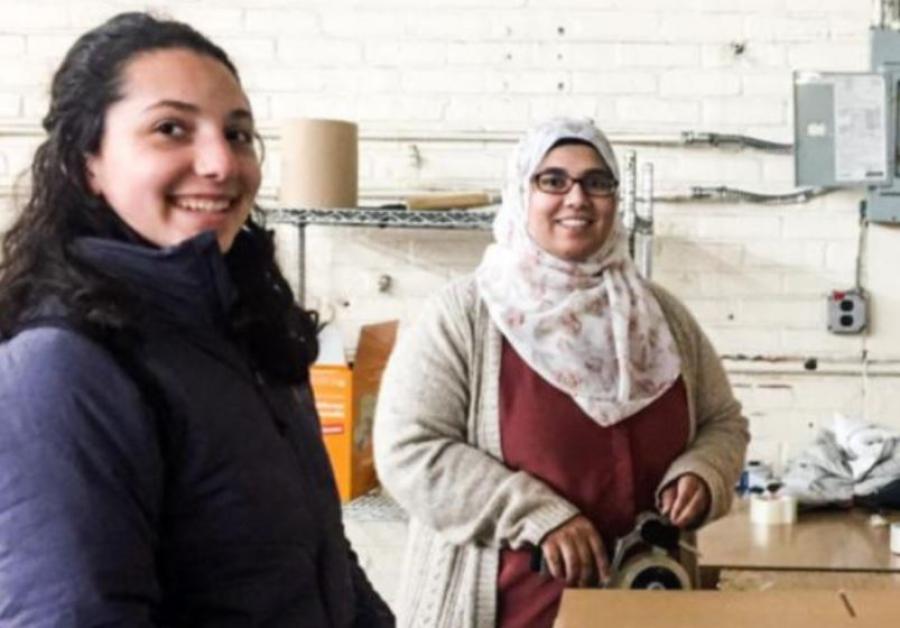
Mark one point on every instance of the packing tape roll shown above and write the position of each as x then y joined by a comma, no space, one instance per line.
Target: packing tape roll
652,571
319,163
895,538
773,510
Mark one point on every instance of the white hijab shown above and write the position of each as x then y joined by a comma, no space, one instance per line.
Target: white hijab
592,329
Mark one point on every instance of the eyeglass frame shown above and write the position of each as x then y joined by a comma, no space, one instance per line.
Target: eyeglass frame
572,181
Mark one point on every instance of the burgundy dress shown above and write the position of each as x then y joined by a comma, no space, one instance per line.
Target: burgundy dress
609,473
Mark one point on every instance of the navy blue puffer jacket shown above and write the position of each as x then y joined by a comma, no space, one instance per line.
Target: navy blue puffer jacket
221,513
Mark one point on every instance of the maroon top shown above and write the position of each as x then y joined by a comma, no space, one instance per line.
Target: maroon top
609,473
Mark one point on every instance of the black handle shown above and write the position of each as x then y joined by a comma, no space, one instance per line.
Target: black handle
538,564
655,532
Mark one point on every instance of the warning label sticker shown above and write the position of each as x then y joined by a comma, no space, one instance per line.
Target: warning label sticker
860,131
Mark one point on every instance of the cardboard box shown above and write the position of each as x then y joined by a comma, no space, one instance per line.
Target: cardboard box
584,608
346,399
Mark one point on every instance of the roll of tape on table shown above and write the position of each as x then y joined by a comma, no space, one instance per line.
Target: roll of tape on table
895,538
773,510
789,508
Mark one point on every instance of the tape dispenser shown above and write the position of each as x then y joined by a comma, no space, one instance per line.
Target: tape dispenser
646,557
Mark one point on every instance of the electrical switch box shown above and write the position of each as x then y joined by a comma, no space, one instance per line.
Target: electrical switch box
883,201
847,311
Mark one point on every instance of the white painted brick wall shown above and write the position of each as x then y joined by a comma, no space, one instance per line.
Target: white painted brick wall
215,19
318,52
359,24
709,169
279,22
731,112
816,283
452,26
673,112
20,17
832,57
10,105
658,55
12,45
49,46
883,283
756,55
608,25
740,224
809,224
769,84
620,82
35,105
755,276
684,83
809,256
451,81
789,313
399,54
685,26
787,29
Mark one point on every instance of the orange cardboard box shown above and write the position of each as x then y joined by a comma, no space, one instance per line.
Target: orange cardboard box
345,399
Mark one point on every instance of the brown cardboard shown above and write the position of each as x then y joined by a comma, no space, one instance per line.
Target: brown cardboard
586,608
372,352
449,200
319,163
346,399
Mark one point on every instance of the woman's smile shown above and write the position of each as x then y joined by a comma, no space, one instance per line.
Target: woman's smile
575,223
204,205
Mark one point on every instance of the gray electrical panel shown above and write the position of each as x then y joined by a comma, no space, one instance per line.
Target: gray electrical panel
847,128
883,202
840,129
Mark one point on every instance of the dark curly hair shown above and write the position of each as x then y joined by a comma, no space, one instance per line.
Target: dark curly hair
37,263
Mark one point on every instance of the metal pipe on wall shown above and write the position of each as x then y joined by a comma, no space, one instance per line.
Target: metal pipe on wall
644,226
374,197
629,197
272,135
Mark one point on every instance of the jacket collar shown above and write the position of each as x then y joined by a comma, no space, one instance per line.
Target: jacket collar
188,283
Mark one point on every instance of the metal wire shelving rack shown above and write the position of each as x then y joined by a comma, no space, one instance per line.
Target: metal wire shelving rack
374,217
301,218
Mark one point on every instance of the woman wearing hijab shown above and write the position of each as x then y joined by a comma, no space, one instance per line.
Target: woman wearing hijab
547,400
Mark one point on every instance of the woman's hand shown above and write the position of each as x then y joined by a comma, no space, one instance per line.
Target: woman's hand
574,552
685,500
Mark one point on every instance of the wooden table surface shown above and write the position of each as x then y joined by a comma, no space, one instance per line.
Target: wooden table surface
820,540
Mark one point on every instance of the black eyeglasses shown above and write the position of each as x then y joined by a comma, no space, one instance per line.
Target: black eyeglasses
599,183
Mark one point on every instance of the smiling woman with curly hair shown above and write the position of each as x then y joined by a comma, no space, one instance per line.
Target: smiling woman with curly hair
161,461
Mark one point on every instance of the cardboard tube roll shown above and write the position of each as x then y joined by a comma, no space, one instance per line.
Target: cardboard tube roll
319,163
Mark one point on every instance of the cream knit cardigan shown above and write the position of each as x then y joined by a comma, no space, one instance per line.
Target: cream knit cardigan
437,451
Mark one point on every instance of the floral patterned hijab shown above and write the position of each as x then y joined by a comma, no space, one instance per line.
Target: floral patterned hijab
593,329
